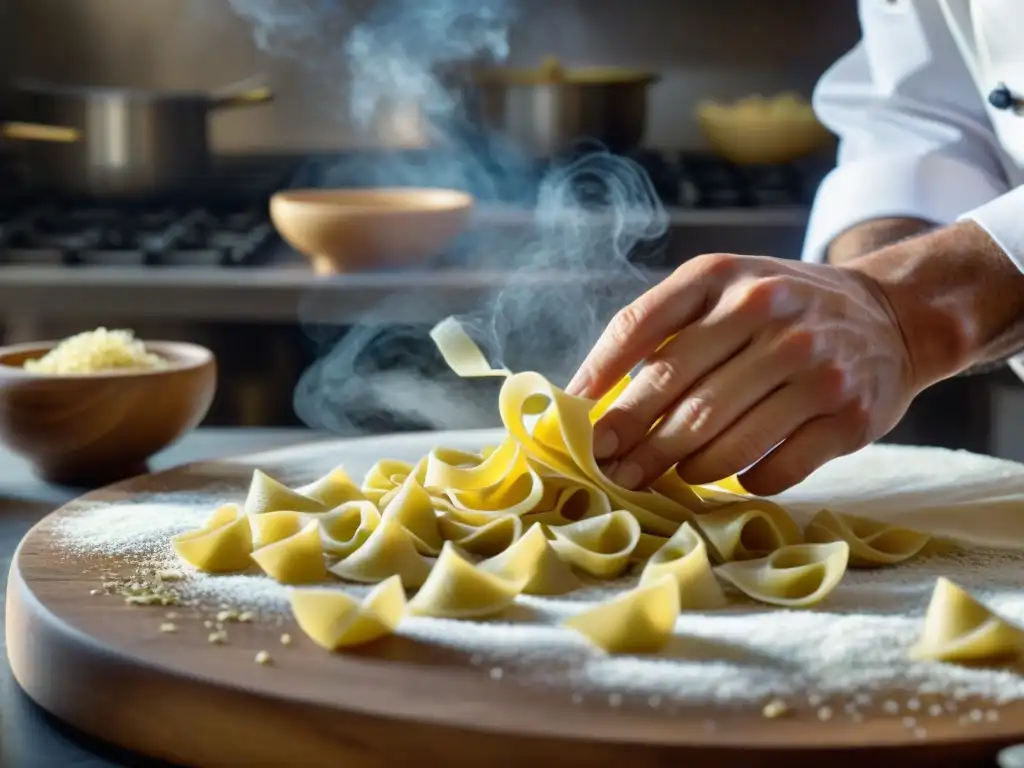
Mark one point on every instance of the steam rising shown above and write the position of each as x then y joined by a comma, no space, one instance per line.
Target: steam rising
572,268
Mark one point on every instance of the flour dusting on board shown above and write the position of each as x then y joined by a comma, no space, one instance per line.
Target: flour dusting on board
854,643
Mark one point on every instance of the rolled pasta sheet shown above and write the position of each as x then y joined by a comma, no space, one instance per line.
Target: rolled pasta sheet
684,557
518,493
532,559
413,509
296,559
275,526
872,543
458,589
747,530
600,546
344,529
638,621
222,545
485,540
268,495
390,551
571,453
333,489
795,576
385,476
334,620
958,628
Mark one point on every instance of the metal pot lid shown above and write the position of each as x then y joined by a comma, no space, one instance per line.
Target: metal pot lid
551,72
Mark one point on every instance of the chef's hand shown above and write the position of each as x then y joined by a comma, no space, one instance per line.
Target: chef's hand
778,364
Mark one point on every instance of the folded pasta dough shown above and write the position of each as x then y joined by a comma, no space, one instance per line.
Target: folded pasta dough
333,489
638,621
335,620
457,589
460,351
519,493
268,495
573,457
344,529
222,545
297,559
600,546
485,540
732,485
747,530
685,558
413,508
384,477
274,526
957,628
647,545
390,551
872,543
794,576
533,559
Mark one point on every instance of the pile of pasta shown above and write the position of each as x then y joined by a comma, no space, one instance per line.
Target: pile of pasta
469,532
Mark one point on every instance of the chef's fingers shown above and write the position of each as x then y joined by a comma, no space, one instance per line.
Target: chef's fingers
671,372
773,420
641,327
812,445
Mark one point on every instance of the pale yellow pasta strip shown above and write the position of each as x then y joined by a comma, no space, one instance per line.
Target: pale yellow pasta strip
872,543
460,351
638,621
297,559
413,509
486,540
345,529
684,557
333,489
747,530
533,559
600,546
334,620
222,545
457,589
793,577
268,495
957,628
390,551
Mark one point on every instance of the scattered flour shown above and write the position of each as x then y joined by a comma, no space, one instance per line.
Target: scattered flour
854,643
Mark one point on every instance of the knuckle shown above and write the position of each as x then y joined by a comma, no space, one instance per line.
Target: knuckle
757,298
626,323
717,265
830,387
654,457
663,375
797,346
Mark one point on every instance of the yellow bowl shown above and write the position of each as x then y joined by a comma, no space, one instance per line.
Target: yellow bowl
757,131
91,429
347,230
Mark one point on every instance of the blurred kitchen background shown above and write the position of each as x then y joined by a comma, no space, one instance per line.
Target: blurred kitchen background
206,265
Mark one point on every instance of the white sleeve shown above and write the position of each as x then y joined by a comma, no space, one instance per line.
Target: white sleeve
915,139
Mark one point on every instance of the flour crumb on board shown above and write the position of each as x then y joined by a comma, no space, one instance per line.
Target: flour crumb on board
746,655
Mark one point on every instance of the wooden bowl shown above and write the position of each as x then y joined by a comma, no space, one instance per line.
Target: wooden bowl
758,131
92,429
348,230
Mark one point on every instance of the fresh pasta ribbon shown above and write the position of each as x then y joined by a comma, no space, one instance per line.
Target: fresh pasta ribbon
268,495
389,551
795,576
872,543
957,628
488,539
684,557
638,621
747,530
335,620
413,509
294,559
458,589
345,529
222,545
533,560
599,546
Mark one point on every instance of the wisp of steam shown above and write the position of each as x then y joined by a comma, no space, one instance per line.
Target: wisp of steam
568,273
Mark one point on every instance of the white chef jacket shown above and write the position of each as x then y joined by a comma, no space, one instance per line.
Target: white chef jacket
918,136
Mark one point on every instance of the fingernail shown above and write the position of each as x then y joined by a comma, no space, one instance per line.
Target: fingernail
606,442
628,475
578,385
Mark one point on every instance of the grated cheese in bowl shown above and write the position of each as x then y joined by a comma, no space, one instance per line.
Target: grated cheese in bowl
96,351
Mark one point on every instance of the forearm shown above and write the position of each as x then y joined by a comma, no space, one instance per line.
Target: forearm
869,236
957,297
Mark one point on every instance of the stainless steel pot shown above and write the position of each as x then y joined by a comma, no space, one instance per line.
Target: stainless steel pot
548,110
116,142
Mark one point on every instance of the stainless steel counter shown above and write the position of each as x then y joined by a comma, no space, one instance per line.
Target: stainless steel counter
29,738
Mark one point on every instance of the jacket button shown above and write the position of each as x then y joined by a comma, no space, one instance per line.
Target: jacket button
1001,98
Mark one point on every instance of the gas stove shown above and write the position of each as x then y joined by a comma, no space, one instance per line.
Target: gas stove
224,224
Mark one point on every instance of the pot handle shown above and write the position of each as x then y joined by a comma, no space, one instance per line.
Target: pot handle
242,94
57,134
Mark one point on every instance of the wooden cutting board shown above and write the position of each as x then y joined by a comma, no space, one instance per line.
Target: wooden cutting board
106,668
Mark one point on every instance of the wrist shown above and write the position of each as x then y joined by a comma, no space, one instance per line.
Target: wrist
953,292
